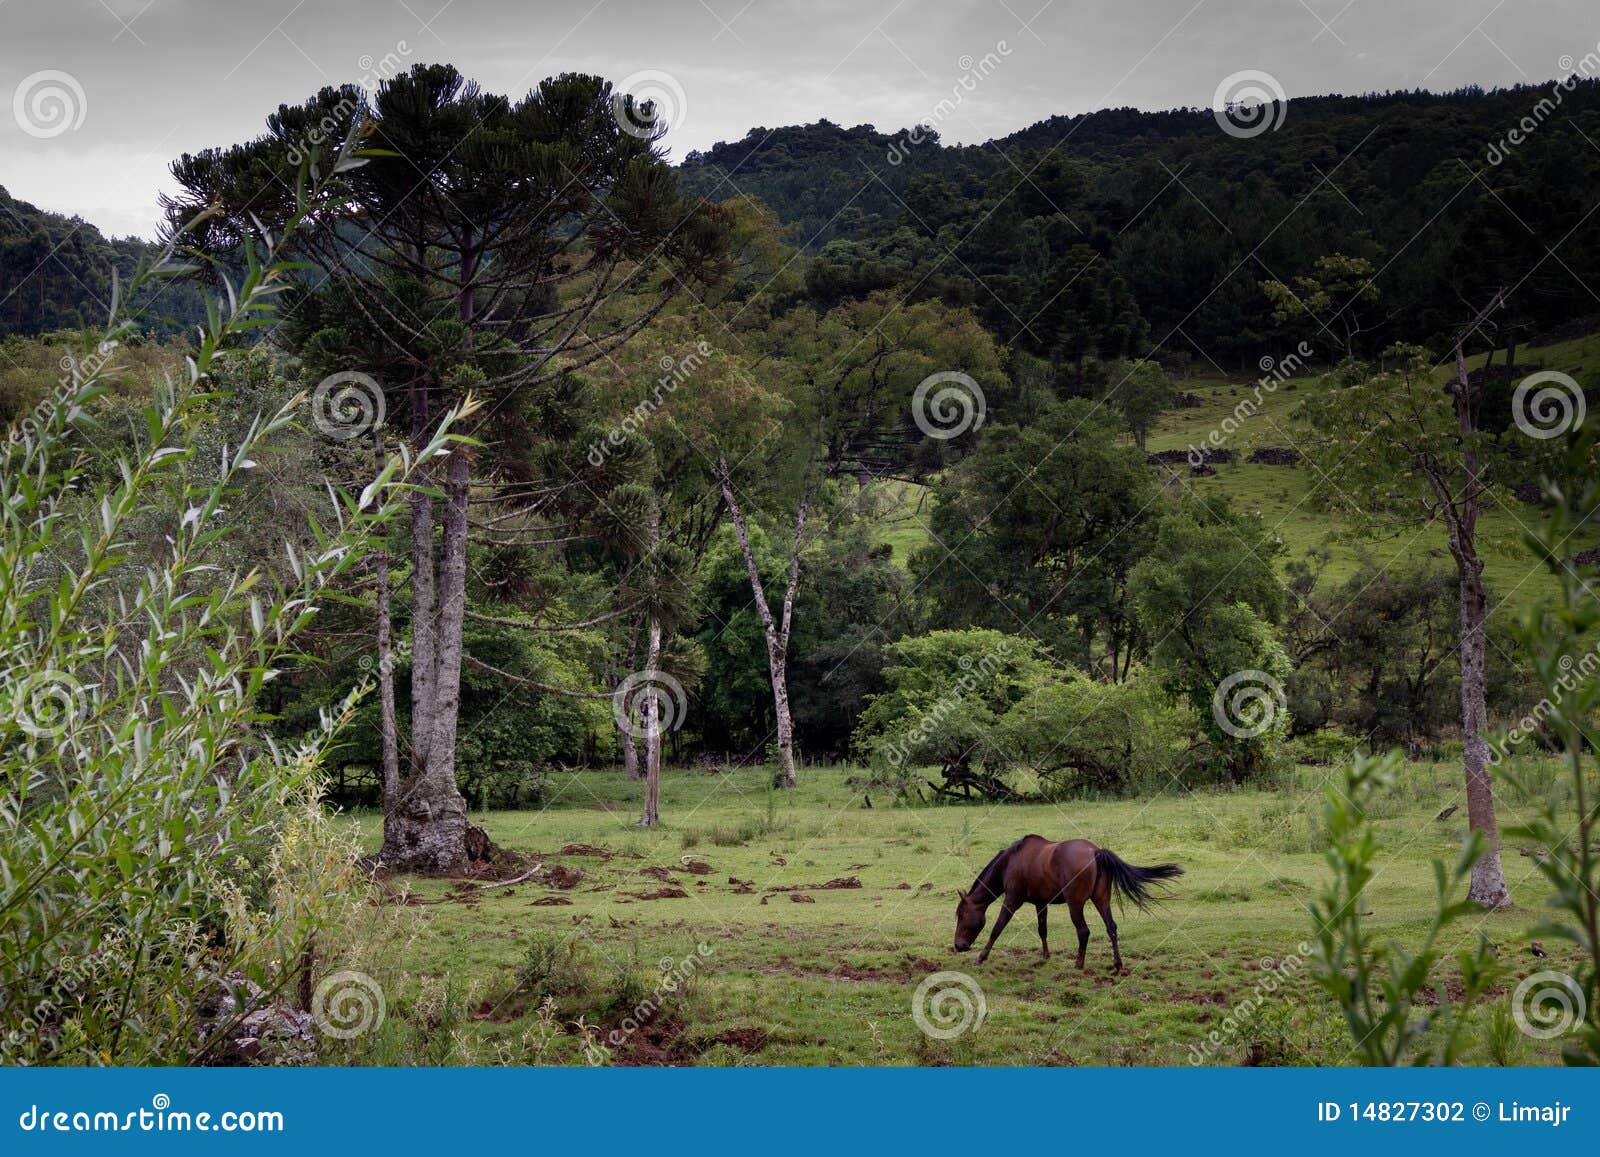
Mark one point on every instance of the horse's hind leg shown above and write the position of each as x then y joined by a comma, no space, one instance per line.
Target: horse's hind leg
1082,926
1044,940
1103,903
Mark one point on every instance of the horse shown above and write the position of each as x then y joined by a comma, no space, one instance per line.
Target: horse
1042,872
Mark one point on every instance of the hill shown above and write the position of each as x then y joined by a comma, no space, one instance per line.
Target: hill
56,273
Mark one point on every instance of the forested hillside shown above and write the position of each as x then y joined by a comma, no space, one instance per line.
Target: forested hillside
1191,222
56,273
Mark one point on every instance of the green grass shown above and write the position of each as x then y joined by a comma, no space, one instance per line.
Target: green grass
831,982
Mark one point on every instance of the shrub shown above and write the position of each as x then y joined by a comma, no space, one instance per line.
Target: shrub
154,845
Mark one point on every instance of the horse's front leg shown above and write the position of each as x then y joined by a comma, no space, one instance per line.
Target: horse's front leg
1007,907
1044,939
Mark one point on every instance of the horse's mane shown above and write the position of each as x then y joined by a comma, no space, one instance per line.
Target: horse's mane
989,879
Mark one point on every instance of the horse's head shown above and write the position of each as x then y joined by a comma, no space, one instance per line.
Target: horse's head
970,915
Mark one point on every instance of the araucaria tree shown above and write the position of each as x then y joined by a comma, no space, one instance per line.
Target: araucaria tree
475,250
1412,445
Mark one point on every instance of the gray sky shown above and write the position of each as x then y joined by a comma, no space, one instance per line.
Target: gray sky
161,77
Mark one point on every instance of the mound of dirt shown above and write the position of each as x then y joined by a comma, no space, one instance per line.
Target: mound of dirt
548,902
561,876
1204,455
831,885
656,873
1274,456
661,894
802,898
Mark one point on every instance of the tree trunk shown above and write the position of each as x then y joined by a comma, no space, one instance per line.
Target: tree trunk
423,603
777,633
1488,886
389,730
1488,878
650,710
430,817
630,749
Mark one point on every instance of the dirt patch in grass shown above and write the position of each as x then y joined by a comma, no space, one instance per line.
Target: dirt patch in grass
831,885
751,1040
657,1043
502,1012
561,876
548,902
655,873
661,894
596,853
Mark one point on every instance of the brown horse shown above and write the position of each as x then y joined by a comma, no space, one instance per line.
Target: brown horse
1042,872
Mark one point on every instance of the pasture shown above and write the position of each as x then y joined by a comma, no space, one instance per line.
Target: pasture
809,920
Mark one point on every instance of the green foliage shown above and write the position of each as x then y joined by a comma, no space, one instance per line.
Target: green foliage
155,841
1083,736
1561,637
1207,595
60,273
1040,526
1379,985
944,696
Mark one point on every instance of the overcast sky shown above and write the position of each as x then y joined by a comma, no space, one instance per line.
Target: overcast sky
145,80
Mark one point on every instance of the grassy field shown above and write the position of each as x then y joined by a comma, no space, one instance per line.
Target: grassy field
525,974
1285,496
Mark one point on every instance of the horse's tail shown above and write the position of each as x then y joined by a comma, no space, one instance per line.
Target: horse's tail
1132,882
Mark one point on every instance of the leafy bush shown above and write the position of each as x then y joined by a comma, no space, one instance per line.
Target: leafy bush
153,843
1079,734
946,693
